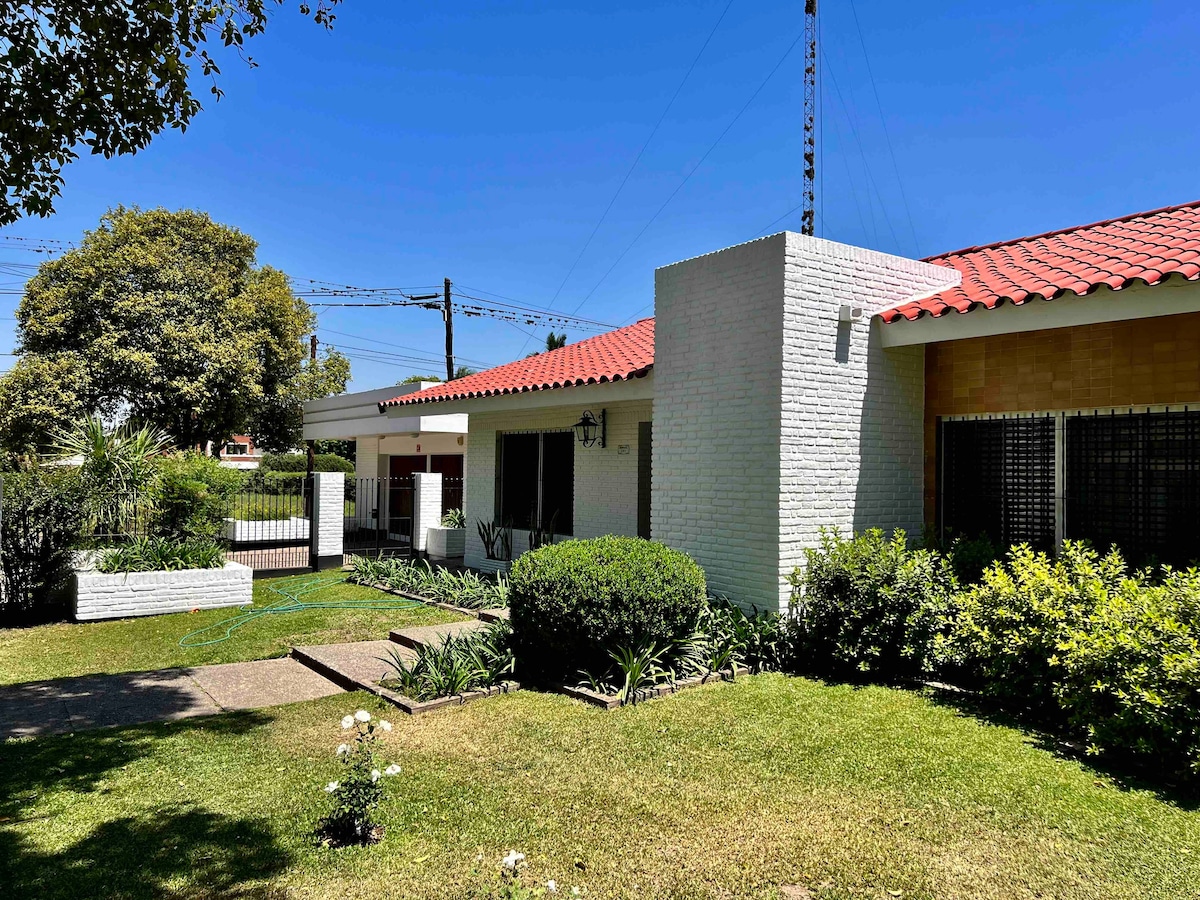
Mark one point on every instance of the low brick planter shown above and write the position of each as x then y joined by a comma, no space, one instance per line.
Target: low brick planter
249,531
445,542
122,594
611,701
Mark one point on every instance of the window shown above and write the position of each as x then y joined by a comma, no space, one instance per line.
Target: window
536,480
1130,479
236,449
997,478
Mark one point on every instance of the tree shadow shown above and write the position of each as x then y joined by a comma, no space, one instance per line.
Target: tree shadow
77,762
178,852
1124,773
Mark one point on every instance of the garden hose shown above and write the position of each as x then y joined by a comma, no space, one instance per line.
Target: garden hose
290,591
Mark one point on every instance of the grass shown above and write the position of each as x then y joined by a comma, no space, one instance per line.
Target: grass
152,642
729,790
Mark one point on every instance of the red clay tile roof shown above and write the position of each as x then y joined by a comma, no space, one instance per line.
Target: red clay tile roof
1143,248
615,356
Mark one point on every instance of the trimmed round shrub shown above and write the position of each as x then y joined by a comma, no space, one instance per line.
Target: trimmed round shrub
572,603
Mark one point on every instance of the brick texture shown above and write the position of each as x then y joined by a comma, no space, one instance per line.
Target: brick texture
100,596
328,519
427,505
1114,364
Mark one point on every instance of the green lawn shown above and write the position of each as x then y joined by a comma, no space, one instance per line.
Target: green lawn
729,790
152,642
267,507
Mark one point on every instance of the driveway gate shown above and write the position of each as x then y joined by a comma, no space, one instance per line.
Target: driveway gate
379,516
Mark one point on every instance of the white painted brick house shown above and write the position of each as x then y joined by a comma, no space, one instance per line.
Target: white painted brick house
794,383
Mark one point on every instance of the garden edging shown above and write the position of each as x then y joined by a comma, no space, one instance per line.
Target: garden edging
612,701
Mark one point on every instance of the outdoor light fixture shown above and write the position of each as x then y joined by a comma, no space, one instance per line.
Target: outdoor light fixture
589,429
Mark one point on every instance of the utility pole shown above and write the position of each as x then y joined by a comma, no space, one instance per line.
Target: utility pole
312,348
808,219
448,315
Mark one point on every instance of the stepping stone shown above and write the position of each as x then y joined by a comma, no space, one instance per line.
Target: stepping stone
351,665
265,682
419,635
498,614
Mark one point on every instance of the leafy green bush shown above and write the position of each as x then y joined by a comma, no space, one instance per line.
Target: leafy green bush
870,605
1128,674
156,554
454,518
298,462
193,496
1007,629
571,603
43,517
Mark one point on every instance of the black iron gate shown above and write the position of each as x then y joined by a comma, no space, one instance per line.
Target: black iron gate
270,526
379,516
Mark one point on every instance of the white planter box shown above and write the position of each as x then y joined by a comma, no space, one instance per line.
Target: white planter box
492,566
445,542
273,531
100,596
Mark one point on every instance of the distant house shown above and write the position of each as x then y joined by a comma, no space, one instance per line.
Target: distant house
239,452
1033,390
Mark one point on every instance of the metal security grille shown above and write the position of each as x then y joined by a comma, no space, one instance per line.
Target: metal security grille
378,518
1133,480
997,479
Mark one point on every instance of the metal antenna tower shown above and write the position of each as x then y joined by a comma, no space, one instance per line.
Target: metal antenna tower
808,219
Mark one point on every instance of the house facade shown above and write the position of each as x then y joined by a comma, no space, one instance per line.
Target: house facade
1033,390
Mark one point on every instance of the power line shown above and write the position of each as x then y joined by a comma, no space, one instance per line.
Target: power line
887,138
637,159
693,170
360,337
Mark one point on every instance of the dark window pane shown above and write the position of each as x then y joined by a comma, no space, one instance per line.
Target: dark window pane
558,482
518,479
997,479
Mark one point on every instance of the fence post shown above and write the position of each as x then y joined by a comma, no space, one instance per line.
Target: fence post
328,520
427,506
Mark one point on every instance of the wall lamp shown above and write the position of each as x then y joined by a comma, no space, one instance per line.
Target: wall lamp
591,430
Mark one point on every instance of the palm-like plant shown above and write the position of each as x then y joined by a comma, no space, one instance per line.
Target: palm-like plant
116,469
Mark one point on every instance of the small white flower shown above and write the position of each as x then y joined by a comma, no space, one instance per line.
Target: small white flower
375,774
331,787
576,892
552,886
343,749
385,725
348,722
393,769
512,860
363,716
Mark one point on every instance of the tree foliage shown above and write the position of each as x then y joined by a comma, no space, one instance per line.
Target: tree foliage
163,318
108,76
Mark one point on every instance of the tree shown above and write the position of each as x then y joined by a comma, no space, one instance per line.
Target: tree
553,342
163,318
463,372
109,76
416,379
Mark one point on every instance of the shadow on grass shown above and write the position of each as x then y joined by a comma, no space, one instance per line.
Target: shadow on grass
173,853
77,762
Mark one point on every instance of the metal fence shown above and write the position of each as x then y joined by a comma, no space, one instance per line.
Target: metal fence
270,525
379,520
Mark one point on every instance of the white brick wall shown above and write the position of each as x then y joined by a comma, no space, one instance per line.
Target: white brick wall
605,478
99,596
329,498
771,418
427,505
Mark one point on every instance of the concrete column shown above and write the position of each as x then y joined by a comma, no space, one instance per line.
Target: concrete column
427,506
329,505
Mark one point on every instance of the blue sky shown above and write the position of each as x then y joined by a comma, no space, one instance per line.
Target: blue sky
482,141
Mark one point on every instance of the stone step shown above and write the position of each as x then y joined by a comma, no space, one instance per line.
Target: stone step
353,666
416,637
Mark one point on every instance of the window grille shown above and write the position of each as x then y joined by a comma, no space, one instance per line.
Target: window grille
997,479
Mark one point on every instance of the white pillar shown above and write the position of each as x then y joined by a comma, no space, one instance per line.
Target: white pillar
427,506
329,505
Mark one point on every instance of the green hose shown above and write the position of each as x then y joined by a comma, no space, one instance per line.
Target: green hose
290,590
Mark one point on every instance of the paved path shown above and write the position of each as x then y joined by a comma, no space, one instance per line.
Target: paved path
97,701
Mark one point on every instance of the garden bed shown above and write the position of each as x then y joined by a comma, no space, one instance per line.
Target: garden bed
666,689
97,595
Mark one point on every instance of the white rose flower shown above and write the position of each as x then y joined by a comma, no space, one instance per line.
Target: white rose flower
385,725
363,716
343,749
331,787
375,774
348,722
552,886
576,892
512,860
393,769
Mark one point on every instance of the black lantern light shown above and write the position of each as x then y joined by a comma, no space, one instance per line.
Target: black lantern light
590,430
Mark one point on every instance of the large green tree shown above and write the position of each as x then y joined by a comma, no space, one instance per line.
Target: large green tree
164,318
108,75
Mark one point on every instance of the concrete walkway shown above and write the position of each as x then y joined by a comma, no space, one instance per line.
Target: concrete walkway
97,701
